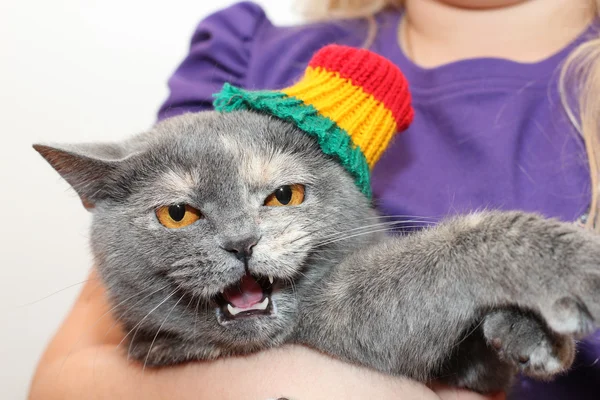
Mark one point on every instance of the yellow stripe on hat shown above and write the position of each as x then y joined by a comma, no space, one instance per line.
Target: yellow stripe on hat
368,122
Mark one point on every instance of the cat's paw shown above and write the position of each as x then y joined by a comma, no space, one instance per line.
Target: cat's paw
568,286
569,317
522,339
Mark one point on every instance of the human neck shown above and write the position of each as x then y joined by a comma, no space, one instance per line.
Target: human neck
433,32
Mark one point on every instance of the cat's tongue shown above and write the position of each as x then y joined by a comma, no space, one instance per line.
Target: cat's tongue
247,293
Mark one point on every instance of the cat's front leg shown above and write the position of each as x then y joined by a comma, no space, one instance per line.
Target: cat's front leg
403,305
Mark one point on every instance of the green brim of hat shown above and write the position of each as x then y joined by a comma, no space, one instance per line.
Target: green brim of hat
333,140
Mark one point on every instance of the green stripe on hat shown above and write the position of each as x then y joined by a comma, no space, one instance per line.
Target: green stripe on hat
333,140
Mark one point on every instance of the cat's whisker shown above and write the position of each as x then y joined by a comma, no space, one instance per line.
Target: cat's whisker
291,284
129,309
98,321
340,233
136,327
158,332
362,233
206,309
470,333
358,234
284,230
187,307
196,321
399,218
386,216
381,224
341,214
319,254
304,276
314,231
309,233
55,293
340,223
190,302
302,273
391,216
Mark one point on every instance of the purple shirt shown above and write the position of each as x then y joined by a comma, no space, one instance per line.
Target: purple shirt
487,133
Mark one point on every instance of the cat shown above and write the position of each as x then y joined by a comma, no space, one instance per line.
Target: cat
220,234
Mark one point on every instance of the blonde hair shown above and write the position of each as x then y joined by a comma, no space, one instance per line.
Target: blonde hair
579,82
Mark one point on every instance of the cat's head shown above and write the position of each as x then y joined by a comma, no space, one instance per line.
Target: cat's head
213,227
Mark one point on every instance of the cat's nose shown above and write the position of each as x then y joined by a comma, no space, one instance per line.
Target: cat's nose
241,247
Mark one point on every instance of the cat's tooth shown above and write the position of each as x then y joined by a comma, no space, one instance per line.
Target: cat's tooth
271,279
262,305
233,310
258,306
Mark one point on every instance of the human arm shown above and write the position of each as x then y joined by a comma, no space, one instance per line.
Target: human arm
82,361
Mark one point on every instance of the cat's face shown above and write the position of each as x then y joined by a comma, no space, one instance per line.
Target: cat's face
213,227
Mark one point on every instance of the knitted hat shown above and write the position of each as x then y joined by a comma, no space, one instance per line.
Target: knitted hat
352,100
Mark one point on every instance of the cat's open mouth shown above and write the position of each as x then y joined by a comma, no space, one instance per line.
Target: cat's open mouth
250,297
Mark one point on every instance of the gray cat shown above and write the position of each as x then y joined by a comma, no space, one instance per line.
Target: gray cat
221,234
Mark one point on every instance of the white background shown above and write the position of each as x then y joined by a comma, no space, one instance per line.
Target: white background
71,71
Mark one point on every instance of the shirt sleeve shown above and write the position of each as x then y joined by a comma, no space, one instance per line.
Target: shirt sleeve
219,53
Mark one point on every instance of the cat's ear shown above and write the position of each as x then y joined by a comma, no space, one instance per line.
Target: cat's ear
88,168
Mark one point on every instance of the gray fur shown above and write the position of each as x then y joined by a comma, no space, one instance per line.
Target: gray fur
470,301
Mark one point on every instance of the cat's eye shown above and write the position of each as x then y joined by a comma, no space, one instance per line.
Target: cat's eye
177,215
287,195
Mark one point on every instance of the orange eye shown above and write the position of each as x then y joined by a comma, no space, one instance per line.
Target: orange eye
177,216
288,195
